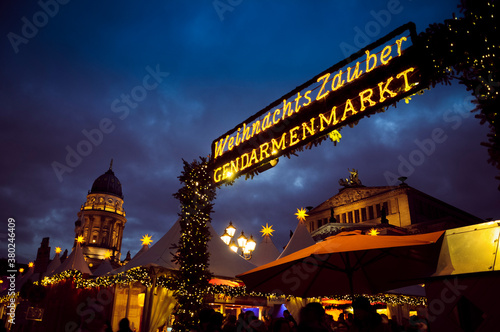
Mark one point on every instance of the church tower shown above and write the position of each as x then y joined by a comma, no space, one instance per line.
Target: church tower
101,220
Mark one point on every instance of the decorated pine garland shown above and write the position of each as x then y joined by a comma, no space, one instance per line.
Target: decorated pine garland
141,275
137,274
196,198
467,49
461,48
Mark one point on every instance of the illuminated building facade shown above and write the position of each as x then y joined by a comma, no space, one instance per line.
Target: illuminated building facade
401,208
101,220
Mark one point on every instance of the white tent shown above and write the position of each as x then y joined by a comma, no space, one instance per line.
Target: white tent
301,239
75,261
104,268
159,253
265,252
132,263
30,275
54,264
223,261
144,248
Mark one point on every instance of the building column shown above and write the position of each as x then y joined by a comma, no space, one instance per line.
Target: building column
91,227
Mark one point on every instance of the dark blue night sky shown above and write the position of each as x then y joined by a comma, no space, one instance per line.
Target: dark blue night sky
156,82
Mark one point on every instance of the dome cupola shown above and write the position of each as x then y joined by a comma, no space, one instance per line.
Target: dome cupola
101,219
107,183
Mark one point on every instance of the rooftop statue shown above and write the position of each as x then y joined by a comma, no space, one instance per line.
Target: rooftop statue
352,181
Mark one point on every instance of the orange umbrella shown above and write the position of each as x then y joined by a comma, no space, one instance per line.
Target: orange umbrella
349,263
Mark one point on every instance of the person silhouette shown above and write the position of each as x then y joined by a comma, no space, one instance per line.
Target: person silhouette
124,325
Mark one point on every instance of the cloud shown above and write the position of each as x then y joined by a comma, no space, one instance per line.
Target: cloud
63,83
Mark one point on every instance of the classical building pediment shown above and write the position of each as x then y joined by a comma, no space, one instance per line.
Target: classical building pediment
351,195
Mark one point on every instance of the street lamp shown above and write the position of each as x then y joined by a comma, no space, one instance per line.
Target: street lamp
242,240
247,246
233,246
250,245
230,229
226,237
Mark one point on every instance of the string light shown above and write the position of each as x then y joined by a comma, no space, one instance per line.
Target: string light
142,275
465,49
196,198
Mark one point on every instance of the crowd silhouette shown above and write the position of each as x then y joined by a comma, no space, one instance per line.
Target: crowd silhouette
312,318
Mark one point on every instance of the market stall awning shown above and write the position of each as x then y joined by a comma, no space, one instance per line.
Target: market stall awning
349,263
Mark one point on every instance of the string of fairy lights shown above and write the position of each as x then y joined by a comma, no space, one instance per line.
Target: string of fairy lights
461,48
196,197
451,49
170,280
142,275
466,49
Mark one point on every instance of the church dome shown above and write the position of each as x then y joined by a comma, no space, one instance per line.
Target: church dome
107,183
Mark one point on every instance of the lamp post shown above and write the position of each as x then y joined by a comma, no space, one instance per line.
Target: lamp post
244,244
249,248
233,246
242,240
230,229
251,244
226,237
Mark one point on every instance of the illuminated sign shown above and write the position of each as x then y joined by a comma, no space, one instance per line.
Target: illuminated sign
373,78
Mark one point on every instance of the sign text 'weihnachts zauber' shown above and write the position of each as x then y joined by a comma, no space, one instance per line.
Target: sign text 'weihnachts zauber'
376,76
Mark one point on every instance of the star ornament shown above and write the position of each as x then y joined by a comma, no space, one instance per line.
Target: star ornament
301,214
146,240
79,239
267,230
107,254
58,250
373,232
